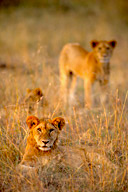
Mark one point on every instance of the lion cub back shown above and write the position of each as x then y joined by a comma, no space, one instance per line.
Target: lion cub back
72,58
75,59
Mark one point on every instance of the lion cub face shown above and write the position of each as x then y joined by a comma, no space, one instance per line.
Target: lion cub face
45,135
45,132
103,50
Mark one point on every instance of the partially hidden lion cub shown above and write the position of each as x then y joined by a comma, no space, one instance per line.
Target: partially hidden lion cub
42,144
42,147
90,66
42,140
33,97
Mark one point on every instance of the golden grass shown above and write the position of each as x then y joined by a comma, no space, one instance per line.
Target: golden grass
30,44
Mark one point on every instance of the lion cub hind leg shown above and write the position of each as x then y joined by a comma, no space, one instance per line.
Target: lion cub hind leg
104,98
72,86
64,80
68,84
88,98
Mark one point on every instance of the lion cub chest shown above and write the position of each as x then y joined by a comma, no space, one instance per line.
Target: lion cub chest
55,155
67,155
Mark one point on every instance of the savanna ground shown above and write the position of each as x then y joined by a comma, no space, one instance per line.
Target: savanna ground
31,37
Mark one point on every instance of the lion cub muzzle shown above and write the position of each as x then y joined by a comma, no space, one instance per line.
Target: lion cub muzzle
45,146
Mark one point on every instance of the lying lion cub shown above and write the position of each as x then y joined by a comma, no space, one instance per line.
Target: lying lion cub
42,139
91,66
42,143
42,147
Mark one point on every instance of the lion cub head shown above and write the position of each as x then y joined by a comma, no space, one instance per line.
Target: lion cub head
33,97
103,50
44,133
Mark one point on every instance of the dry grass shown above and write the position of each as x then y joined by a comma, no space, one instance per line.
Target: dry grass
31,40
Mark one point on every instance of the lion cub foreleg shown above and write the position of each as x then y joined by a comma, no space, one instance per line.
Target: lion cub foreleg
104,92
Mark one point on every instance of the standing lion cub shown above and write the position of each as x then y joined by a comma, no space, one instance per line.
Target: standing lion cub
90,66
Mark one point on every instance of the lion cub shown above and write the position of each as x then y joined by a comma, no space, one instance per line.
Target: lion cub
42,139
42,147
91,66
33,97
42,144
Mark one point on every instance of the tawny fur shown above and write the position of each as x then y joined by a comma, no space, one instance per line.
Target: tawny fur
42,140
90,66
42,147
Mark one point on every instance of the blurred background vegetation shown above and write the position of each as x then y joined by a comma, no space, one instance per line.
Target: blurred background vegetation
96,17
33,32
120,5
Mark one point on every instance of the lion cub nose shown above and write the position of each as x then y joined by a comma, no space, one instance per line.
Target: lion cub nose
45,142
104,55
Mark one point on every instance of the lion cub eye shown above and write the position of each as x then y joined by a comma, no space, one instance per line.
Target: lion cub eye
33,123
51,130
107,48
99,48
39,129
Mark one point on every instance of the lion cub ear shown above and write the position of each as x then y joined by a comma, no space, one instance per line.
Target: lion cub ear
94,43
38,91
112,43
58,122
32,121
